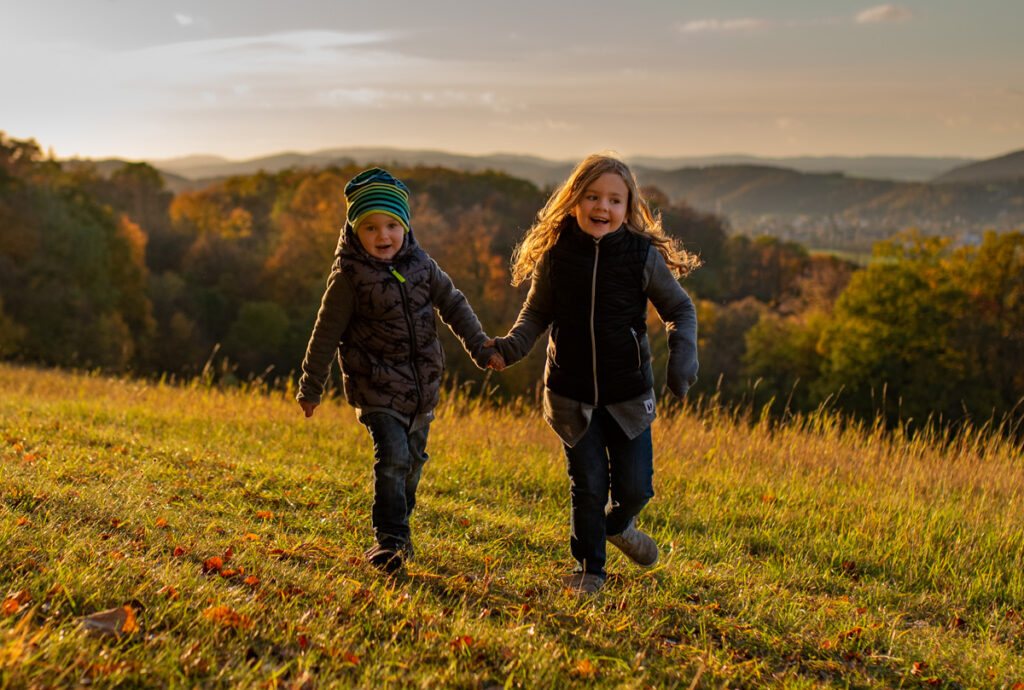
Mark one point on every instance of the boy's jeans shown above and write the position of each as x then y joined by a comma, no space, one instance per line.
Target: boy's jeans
399,457
604,461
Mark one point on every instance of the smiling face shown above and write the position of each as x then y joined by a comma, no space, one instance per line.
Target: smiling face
602,206
381,235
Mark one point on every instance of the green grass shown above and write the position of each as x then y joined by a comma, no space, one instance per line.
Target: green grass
803,555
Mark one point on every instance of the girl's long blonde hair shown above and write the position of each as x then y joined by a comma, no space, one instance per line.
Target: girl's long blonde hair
552,219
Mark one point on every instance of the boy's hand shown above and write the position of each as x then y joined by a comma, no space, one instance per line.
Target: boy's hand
495,361
307,407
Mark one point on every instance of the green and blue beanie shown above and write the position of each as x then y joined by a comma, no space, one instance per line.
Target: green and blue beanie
376,191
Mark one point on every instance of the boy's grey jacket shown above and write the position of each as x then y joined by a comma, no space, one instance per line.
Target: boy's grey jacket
570,418
384,331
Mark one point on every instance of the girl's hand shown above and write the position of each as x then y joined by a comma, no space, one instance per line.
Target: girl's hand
496,361
307,407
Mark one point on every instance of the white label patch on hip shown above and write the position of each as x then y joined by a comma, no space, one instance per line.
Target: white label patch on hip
649,405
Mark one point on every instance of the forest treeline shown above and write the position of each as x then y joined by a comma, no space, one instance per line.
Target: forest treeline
116,272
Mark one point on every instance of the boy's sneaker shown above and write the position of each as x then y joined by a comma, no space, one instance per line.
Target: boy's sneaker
639,547
582,583
384,558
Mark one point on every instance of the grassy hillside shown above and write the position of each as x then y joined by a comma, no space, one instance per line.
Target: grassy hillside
232,528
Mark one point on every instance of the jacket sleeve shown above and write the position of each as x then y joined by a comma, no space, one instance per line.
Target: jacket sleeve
676,309
534,318
336,309
454,310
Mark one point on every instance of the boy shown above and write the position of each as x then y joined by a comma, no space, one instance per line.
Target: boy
378,313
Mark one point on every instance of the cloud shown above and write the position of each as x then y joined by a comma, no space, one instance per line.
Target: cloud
183,19
443,98
884,14
880,14
715,25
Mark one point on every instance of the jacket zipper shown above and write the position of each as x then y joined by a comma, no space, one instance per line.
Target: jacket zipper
593,302
636,339
412,336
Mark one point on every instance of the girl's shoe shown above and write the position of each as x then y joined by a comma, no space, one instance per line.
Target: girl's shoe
582,583
639,547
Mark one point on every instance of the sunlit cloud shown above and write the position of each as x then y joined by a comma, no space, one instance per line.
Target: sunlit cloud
545,125
183,19
955,121
717,25
788,123
884,14
445,98
879,14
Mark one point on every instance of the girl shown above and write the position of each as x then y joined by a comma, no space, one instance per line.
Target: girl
596,255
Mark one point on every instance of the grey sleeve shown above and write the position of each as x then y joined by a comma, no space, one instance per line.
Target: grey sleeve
534,318
336,309
454,309
676,309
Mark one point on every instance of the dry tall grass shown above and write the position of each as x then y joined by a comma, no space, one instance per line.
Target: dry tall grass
805,554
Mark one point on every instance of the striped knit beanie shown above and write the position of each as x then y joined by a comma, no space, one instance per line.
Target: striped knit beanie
376,191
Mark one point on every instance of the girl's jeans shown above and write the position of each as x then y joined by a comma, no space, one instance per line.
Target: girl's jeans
604,461
399,456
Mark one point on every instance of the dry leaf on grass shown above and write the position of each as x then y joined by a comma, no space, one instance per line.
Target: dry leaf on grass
118,621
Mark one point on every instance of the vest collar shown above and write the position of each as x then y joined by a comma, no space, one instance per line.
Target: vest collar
575,234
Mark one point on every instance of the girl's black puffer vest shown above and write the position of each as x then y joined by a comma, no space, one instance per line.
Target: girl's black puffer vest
598,352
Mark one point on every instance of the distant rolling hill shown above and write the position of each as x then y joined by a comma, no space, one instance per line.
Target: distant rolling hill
905,168
758,190
544,172
540,171
1002,168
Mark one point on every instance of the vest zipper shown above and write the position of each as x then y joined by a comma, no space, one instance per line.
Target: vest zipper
412,337
593,303
636,339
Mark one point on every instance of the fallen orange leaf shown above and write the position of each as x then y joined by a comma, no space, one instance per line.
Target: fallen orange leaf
213,563
252,580
227,572
10,606
461,642
21,522
178,551
227,617
160,522
585,668
251,537
265,514
117,621
130,625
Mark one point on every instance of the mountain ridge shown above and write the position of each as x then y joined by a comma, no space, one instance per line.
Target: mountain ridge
544,171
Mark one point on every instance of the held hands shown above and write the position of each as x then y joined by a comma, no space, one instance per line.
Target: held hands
307,407
496,361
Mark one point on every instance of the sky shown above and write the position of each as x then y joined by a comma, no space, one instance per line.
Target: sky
152,79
